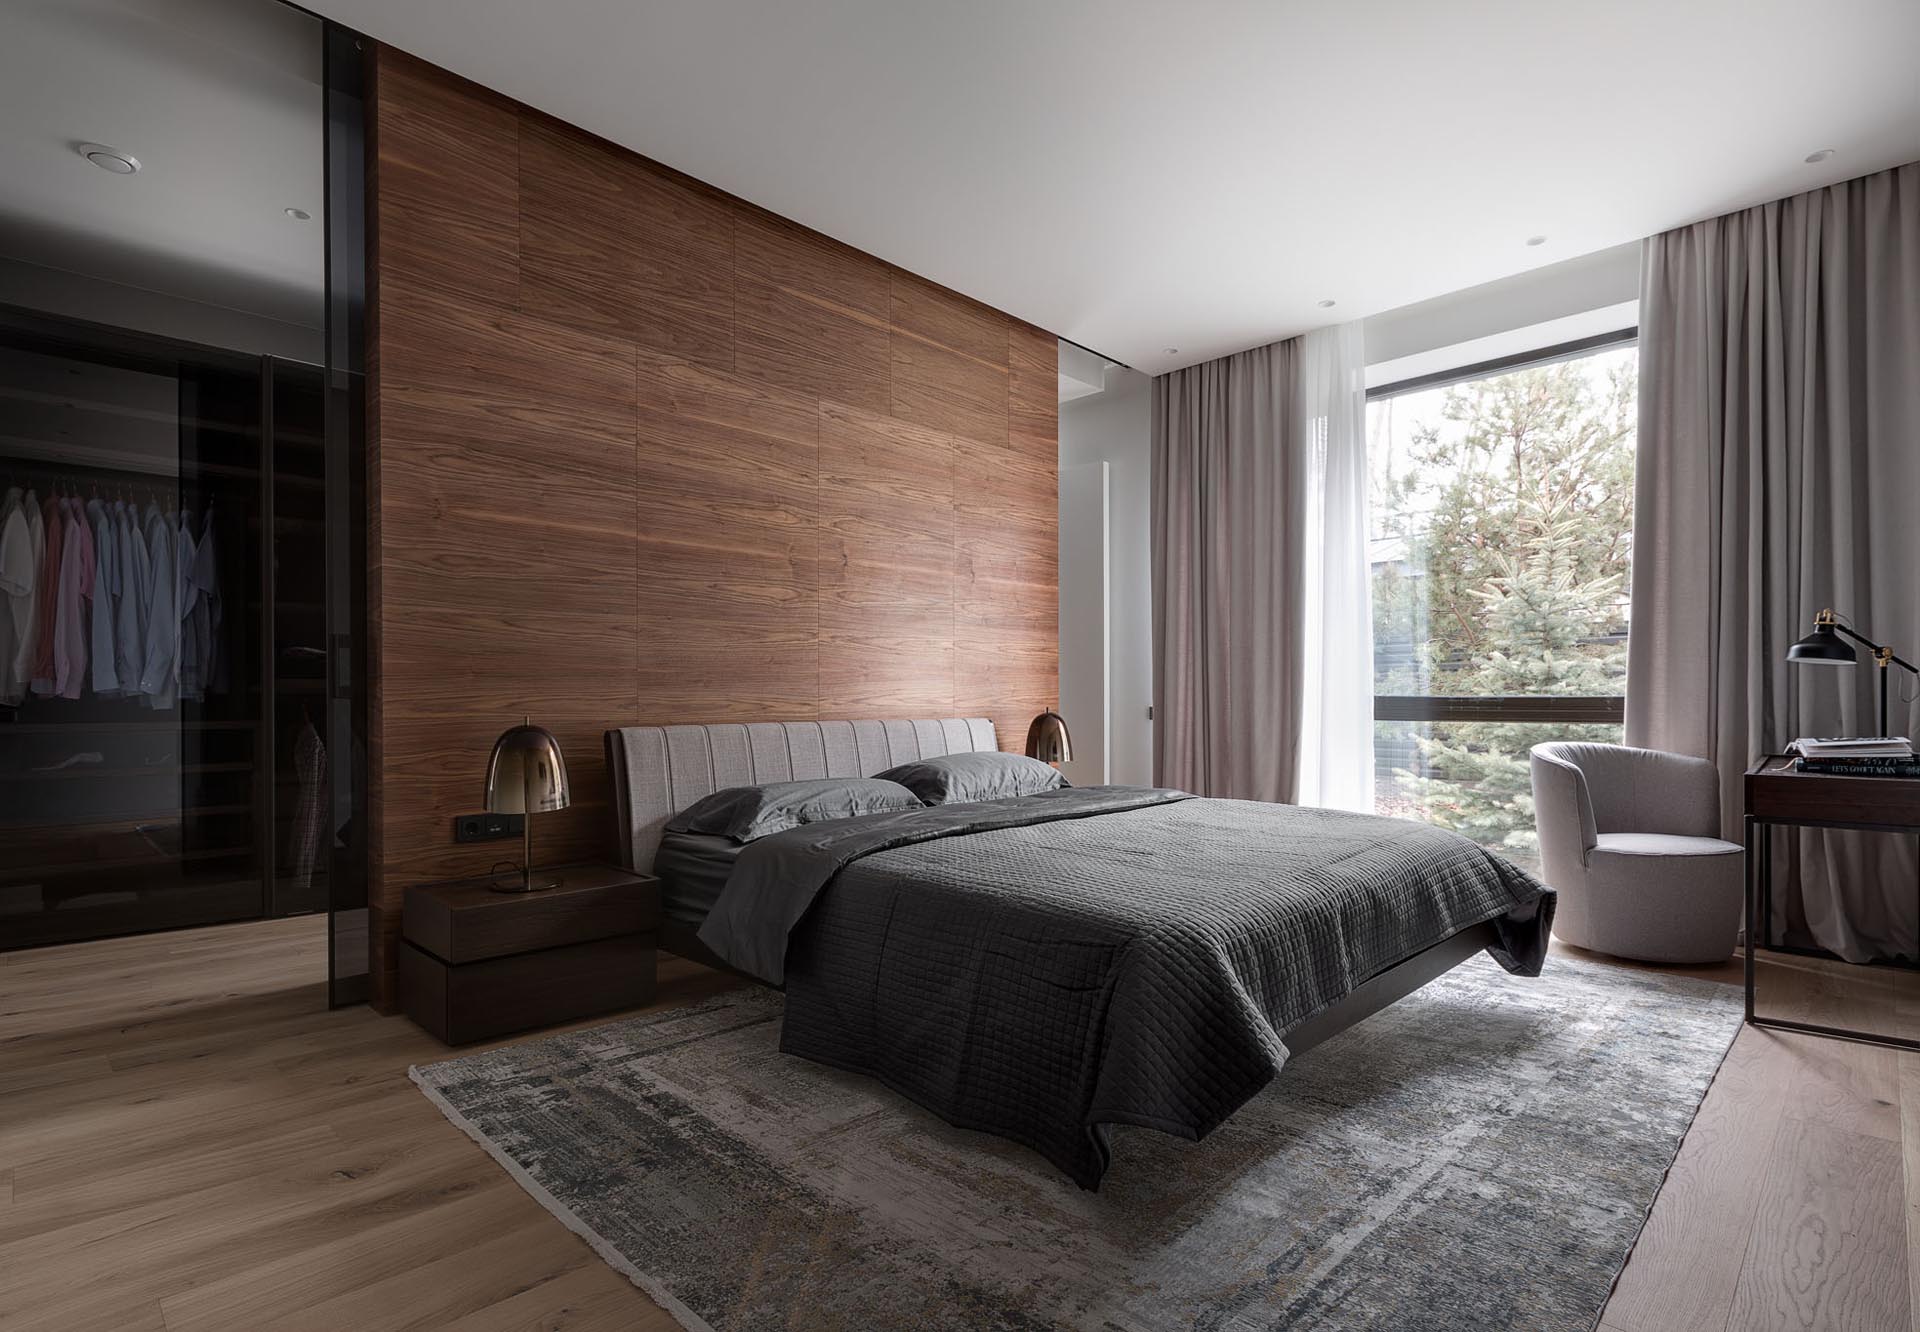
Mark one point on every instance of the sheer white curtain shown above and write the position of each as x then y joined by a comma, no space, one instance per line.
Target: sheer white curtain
1336,741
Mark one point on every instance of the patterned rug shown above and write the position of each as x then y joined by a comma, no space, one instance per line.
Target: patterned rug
1480,1155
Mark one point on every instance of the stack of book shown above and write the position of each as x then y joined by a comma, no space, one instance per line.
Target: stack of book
1853,756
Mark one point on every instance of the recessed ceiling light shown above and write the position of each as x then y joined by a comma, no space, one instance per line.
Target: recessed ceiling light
1536,240
109,159
1173,351
298,214
1820,156
1325,305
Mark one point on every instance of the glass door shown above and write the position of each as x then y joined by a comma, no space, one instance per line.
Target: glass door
344,734
130,717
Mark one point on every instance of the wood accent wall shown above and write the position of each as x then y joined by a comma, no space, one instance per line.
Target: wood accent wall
642,453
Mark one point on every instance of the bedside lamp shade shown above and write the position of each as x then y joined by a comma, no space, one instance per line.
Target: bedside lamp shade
1047,738
526,776
1823,647
1827,645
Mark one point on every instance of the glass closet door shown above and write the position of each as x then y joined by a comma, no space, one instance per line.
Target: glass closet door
345,514
297,609
131,752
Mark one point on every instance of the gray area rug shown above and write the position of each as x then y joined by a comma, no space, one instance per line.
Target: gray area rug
1480,1155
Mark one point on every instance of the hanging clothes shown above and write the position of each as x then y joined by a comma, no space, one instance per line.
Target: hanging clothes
106,592
210,642
18,572
71,629
21,671
310,767
159,681
130,612
186,601
45,612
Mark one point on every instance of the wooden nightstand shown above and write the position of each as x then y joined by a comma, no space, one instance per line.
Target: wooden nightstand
475,963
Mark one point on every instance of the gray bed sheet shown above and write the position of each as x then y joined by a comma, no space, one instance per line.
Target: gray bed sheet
1044,967
693,869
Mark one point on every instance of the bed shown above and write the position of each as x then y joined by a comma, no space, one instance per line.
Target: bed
1045,967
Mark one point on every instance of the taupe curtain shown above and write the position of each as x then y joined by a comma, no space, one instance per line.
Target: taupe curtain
1779,473
1230,477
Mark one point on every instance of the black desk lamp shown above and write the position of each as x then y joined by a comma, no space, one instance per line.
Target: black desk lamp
1823,647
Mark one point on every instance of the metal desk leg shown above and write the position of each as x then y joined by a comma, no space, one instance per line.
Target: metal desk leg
1753,869
1766,884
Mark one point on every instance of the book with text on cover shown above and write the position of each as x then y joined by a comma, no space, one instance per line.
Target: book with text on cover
1853,747
1866,765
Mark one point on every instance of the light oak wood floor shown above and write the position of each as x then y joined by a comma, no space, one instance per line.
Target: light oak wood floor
188,1140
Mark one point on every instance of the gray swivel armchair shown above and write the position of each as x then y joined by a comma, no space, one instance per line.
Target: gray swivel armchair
1629,838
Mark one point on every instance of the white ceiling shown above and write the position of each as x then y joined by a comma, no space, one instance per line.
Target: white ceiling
220,101
1132,177
1140,176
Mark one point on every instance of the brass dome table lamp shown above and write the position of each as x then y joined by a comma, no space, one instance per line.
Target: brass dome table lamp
526,776
1047,739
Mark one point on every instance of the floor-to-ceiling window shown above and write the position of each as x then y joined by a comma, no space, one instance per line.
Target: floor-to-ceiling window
1502,526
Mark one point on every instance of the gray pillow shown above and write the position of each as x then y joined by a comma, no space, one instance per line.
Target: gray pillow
961,778
745,813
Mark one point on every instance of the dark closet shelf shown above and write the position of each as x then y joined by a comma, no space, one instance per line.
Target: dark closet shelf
86,404
109,727
16,873
168,816
188,471
80,771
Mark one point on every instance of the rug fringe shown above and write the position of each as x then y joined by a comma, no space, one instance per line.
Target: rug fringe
655,1289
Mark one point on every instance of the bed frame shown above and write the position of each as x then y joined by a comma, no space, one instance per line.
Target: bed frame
659,770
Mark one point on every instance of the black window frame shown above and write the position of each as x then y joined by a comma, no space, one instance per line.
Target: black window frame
1589,709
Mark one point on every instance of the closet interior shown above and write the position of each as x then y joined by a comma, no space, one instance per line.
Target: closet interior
163,633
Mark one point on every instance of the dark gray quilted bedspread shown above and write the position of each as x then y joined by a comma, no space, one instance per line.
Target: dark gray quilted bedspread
1043,967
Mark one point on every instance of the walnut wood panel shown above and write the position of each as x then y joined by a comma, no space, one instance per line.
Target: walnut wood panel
811,316
642,452
608,242
1033,394
728,545
446,162
949,361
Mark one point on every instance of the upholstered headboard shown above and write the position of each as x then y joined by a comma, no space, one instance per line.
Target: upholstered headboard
660,770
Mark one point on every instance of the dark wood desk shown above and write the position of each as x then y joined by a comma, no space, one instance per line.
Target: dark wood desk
1778,796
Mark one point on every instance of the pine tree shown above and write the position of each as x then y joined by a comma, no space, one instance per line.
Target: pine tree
1515,525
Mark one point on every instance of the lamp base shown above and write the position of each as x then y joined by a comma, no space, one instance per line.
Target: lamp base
519,883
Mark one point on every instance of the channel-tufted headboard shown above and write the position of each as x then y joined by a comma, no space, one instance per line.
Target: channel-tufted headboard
659,770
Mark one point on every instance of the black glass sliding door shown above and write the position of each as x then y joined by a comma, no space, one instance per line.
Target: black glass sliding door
344,618
182,481
132,748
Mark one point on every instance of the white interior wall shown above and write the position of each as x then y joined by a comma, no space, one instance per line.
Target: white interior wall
1085,621
1112,426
